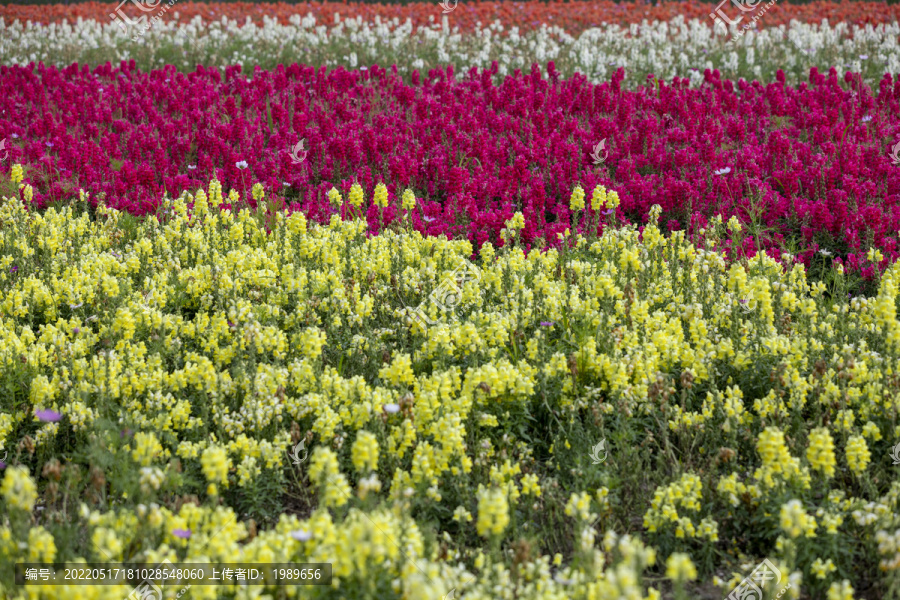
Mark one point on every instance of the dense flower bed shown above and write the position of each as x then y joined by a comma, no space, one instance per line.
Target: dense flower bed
160,375
809,165
666,49
575,17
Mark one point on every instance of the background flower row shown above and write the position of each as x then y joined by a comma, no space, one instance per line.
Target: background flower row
574,17
679,47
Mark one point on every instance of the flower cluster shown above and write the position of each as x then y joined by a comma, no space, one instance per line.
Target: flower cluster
640,41
173,371
448,158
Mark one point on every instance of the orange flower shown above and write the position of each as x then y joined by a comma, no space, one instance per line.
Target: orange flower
574,17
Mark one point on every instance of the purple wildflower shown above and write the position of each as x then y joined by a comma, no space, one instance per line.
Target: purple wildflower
47,415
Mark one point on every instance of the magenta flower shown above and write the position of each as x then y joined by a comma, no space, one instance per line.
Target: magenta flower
476,195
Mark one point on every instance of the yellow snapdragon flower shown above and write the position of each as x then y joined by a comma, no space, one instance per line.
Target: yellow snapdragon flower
576,201
858,455
408,200
679,567
493,512
364,453
216,464
18,488
820,453
380,198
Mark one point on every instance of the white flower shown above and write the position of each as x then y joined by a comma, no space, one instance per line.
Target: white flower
724,171
867,118
191,167
241,164
428,219
301,535
391,408
824,252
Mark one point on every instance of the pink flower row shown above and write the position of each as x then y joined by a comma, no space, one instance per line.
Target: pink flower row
813,163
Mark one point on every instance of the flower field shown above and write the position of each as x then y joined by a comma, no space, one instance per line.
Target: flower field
514,302
808,163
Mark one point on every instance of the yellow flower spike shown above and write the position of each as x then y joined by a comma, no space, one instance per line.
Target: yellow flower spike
612,200
365,452
840,591
576,201
820,452
216,464
18,488
493,512
356,197
598,198
380,198
408,200
258,192
679,567
858,455
16,174
335,199
795,521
